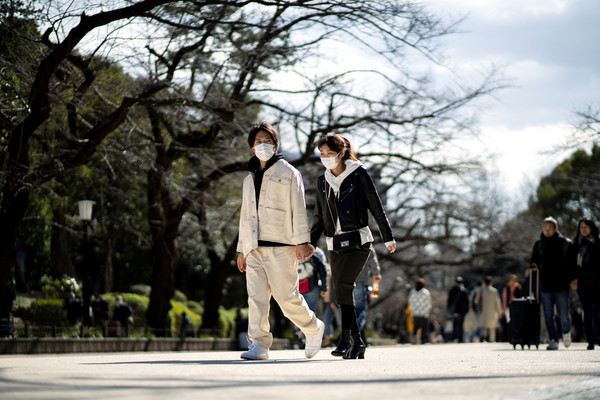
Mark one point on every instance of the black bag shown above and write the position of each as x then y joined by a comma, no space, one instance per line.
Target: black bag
524,313
347,241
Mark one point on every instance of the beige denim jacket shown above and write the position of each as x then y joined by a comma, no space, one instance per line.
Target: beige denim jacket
281,213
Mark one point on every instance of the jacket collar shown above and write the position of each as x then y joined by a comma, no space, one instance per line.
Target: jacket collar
336,181
254,163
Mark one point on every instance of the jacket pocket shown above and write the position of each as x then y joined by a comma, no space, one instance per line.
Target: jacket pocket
278,189
273,223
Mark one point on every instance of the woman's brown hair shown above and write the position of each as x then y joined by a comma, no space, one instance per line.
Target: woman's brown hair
338,143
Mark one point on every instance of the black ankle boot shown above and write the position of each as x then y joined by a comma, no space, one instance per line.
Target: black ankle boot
358,348
344,346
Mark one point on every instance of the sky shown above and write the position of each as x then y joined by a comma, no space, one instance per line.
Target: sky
550,49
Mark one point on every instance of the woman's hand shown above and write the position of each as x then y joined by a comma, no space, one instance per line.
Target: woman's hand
392,247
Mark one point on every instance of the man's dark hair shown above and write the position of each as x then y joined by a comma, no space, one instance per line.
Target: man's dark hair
488,280
420,284
262,126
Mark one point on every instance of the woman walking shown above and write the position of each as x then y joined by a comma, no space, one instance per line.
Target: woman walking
345,194
587,248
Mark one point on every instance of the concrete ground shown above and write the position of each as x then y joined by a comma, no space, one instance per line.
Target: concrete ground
441,371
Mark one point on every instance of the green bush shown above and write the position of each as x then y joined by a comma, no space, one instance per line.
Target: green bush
57,288
194,306
46,312
179,296
177,309
49,312
138,303
227,321
141,289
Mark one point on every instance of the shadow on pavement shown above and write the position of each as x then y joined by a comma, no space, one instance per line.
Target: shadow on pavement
171,384
215,362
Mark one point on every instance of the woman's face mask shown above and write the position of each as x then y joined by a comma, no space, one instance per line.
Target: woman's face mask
331,162
264,151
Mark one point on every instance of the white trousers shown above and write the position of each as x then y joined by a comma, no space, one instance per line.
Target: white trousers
273,271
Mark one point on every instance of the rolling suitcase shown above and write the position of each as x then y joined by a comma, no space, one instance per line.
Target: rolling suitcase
524,313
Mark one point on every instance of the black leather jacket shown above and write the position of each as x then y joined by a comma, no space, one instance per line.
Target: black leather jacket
357,196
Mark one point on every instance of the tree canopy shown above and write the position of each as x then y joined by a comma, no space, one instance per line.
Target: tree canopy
146,105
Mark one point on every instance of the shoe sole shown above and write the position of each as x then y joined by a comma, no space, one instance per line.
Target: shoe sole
253,359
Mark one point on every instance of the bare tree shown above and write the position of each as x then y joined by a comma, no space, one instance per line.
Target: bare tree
586,127
208,70
233,59
61,78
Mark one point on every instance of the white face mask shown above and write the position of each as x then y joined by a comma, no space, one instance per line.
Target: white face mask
264,151
330,162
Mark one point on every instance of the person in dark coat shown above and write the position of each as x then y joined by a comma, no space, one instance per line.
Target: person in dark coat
587,252
553,256
458,306
121,313
345,196
73,305
100,310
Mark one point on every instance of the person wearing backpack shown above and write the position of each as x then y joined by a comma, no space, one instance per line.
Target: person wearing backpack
312,282
553,256
312,278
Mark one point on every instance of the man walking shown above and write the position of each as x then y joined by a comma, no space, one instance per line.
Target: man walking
274,235
552,255
458,306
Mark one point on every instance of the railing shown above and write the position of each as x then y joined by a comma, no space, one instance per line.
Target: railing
27,338
28,330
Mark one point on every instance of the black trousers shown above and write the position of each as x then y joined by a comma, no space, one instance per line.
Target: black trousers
345,268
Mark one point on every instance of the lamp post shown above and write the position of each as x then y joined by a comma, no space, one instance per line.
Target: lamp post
85,215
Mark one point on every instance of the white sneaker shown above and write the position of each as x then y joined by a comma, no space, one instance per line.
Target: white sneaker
313,343
552,345
567,339
256,353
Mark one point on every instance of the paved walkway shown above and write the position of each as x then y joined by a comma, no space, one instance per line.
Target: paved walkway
444,371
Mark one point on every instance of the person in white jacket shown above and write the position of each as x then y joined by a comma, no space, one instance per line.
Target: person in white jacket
419,301
273,235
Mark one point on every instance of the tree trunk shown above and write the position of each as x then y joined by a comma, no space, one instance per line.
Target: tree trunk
108,266
14,204
162,290
164,223
213,296
59,245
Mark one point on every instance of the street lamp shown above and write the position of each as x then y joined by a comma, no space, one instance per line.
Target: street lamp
85,209
85,214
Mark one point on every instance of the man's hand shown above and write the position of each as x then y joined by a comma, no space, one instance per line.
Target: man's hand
241,262
304,251
534,267
376,278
